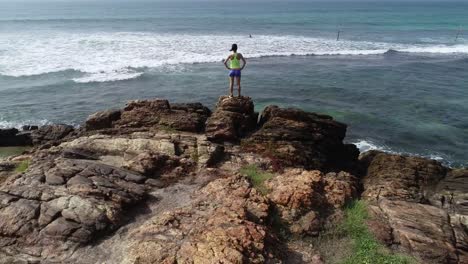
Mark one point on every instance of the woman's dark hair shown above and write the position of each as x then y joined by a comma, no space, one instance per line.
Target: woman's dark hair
234,47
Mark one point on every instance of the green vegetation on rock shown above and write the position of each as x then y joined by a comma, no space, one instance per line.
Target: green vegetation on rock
351,242
22,166
257,177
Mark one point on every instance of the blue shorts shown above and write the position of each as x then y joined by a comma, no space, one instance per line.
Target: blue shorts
235,73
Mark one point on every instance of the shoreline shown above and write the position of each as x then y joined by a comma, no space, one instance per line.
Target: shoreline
364,145
377,97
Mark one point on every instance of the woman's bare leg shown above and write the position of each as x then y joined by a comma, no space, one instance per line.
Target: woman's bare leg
239,85
231,86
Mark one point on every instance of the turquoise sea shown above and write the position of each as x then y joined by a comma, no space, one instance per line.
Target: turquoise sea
398,75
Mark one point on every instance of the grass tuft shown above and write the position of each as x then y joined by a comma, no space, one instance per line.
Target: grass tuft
257,177
356,244
22,166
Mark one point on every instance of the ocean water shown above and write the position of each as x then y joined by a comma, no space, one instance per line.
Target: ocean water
398,75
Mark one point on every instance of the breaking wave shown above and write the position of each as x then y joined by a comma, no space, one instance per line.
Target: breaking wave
367,145
104,57
20,124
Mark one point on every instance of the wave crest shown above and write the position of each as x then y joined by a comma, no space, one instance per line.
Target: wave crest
367,145
103,57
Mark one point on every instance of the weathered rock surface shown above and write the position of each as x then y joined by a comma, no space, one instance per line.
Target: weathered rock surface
296,138
158,113
222,225
144,185
304,199
60,204
451,193
132,149
50,134
233,119
423,231
418,206
33,135
400,177
103,119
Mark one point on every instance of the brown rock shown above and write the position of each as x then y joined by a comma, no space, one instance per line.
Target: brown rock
379,226
340,188
233,119
421,230
296,192
215,228
103,119
59,204
158,113
400,177
309,224
140,151
301,139
147,163
451,194
305,198
51,134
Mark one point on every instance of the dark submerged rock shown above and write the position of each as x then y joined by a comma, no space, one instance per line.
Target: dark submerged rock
12,137
29,128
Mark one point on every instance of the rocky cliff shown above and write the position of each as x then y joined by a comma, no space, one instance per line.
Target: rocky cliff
165,183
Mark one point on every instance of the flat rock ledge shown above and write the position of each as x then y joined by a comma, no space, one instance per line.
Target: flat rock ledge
156,182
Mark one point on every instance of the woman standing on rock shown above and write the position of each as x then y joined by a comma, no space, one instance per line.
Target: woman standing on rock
235,69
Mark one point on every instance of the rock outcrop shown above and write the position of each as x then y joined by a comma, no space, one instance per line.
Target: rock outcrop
297,138
102,120
400,177
156,114
421,230
305,199
451,194
221,225
413,202
159,183
59,204
233,119
160,114
50,134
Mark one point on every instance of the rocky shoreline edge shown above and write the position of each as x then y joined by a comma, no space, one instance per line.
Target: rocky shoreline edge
156,182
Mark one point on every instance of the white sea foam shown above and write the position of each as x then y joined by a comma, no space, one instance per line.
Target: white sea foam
106,56
20,124
367,145
107,76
